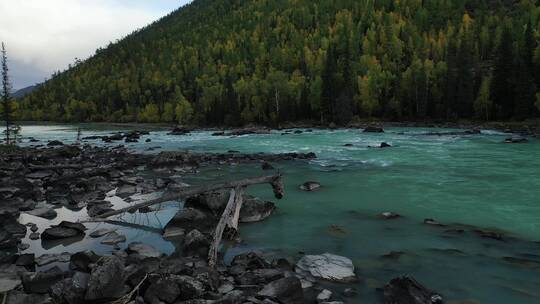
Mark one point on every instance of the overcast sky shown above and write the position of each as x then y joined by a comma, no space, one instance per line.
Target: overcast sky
43,36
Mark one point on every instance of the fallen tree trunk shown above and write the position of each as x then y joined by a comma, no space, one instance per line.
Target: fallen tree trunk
233,204
181,193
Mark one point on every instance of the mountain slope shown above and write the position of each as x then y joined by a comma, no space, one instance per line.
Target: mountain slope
266,61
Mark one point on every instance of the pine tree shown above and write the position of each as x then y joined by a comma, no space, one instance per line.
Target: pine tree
503,96
6,95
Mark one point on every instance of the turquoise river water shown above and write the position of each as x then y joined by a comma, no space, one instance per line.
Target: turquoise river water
468,180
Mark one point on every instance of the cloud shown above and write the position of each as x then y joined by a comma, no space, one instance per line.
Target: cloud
45,36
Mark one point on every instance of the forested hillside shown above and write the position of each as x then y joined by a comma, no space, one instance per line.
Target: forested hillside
233,62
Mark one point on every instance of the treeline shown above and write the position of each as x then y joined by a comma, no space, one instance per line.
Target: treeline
234,62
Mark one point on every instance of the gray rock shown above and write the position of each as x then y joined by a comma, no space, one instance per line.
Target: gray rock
63,230
34,236
327,266
40,282
106,280
44,212
81,261
143,250
406,290
9,281
188,219
287,290
71,290
324,296
101,232
195,243
18,297
52,258
259,276
26,260
113,238
255,210
310,186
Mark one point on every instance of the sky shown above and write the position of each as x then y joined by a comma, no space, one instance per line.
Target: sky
43,36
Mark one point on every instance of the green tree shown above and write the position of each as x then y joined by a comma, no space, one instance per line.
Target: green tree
483,104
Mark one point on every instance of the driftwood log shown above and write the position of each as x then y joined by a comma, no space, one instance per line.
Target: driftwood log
230,217
182,193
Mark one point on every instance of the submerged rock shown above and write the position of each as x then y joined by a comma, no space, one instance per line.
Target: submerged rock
406,290
310,186
516,140
327,266
388,216
113,238
101,232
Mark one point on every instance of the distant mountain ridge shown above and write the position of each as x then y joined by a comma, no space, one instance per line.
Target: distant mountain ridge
233,62
24,91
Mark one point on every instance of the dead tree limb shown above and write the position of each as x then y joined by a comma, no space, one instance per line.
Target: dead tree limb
225,218
181,193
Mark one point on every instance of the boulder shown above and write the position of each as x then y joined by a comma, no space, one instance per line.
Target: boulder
385,145
173,288
81,261
255,210
71,290
179,131
40,282
259,276
287,290
196,244
327,266
97,210
63,230
324,296
26,260
310,186
188,219
143,250
106,280
250,261
406,290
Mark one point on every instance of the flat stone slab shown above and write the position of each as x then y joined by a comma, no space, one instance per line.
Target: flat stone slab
328,267
143,250
113,238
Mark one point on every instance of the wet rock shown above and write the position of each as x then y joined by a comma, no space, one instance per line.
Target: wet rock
388,216
26,260
287,290
433,222
310,186
324,296
394,255
126,191
250,261
188,219
259,276
44,212
267,166
40,282
174,288
81,261
196,243
373,129
348,145
406,290
98,210
385,145
490,234
327,266
218,134
113,238
55,143
52,258
71,290
63,230
516,140
23,246
34,236
179,131
349,292
18,297
255,210
143,250
33,227
11,231
101,232
106,280
9,281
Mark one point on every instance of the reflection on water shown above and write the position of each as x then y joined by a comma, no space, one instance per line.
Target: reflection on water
474,180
